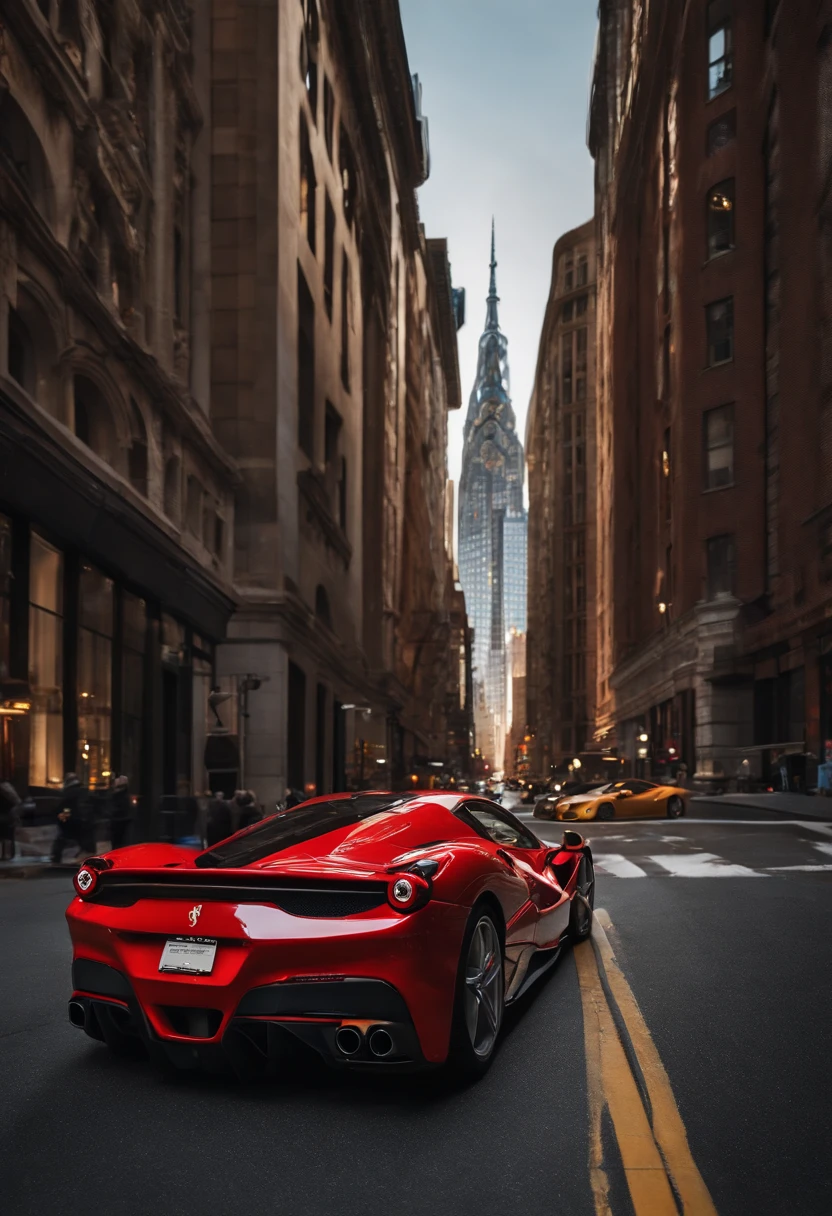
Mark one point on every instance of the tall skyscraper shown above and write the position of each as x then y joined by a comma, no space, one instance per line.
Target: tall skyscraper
492,528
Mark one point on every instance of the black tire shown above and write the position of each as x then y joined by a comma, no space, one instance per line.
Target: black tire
675,807
581,915
467,1059
605,812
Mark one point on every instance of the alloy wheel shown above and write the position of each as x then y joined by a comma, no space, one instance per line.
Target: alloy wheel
484,988
584,898
675,807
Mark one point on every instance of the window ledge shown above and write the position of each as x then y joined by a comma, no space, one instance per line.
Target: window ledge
709,367
730,485
715,257
318,512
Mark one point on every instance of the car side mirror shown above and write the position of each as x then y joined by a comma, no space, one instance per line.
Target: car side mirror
625,793
572,841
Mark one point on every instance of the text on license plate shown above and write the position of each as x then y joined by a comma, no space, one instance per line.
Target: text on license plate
191,955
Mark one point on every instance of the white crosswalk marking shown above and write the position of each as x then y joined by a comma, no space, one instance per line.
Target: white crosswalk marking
823,848
702,865
618,866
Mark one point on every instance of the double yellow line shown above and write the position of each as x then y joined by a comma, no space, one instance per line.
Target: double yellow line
661,1174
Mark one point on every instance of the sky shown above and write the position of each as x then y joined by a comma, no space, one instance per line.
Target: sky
505,90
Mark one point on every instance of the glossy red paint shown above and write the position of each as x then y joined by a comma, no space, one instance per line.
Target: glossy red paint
260,943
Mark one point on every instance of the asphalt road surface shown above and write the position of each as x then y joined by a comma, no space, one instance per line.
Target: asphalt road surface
684,1057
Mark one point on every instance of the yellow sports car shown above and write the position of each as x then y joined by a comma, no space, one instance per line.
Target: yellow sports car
626,800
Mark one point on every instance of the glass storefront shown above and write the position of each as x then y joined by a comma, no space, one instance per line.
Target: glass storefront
5,576
134,647
95,678
46,577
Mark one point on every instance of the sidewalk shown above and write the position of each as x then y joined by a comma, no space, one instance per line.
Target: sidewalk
796,806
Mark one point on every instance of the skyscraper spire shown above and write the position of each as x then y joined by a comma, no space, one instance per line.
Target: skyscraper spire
492,322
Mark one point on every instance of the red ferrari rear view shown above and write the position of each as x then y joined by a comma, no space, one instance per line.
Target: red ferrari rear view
381,930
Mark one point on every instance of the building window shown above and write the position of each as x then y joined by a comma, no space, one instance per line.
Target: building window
178,278
580,306
346,296
137,455
721,555
309,72
95,663
329,253
46,659
5,579
335,465
322,609
568,274
719,318
306,367
722,132
582,270
346,165
134,642
718,429
308,185
720,47
172,479
566,368
193,506
721,218
568,310
329,117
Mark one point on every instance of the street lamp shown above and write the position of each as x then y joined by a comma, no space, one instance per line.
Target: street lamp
576,763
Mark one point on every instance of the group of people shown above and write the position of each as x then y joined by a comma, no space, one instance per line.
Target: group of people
76,818
228,815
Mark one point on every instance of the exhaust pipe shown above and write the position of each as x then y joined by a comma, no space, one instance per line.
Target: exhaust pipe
348,1040
78,1014
381,1043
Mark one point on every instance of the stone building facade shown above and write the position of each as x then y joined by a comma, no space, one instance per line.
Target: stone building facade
334,365
116,498
561,457
713,435
227,353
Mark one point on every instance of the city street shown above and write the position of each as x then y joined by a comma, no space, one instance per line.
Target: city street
733,979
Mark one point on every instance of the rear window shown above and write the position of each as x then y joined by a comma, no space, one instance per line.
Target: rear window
297,826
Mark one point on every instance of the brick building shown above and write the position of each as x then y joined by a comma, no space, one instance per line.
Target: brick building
560,450
709,126
227,354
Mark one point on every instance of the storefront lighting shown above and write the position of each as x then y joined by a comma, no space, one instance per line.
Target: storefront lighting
14,709
662,607
381,761
643,737
576,763
642,753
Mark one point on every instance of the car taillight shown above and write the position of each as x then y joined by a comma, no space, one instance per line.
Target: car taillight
86,880
407,892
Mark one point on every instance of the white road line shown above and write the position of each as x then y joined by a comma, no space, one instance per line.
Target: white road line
618,866
822,848
702,865
810,869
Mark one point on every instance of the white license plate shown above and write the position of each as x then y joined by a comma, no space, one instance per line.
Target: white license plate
190,955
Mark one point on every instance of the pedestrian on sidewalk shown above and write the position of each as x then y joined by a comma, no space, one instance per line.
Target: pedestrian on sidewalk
121,813
218,825
72,825
246,811
9,819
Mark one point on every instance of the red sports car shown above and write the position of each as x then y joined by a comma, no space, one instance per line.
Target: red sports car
377,929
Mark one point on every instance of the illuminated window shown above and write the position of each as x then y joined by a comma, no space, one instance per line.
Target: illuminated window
721,218
95,661
46,656
5,577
